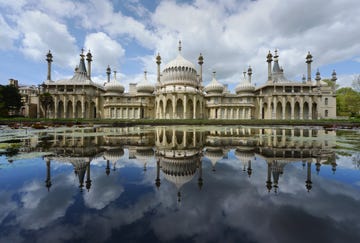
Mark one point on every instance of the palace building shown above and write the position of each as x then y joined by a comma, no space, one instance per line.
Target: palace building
180,93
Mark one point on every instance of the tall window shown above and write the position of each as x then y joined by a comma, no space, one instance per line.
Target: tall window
326,113
326,101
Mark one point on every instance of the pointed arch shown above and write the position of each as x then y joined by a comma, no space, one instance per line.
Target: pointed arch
78,109
279,111
179,109
168,110
297,111
288,111
60,109
189,109
198,110
69,112
306,110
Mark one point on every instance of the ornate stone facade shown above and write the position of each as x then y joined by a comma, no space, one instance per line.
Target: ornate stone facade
179,94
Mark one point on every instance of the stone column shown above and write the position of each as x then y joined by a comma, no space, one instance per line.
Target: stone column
292,108
65,107
56,107
73,108
174,107
194,104
185,107
83,112
301,109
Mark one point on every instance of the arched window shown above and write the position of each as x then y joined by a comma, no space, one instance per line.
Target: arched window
326,113
326,101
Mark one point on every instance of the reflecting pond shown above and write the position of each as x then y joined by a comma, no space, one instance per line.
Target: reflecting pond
179,184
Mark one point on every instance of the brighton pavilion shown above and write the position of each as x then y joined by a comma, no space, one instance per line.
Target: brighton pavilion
180,92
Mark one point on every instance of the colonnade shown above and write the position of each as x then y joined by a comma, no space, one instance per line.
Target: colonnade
230,113
287,109
73,108
179,108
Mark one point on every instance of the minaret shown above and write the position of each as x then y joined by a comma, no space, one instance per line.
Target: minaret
269,60
48,175
115,74
200,180
318,78
249,73
49,60
334,78
200,62
309,61
89,60
308,182
108,72
107,169
249,170
158,62
157,180
88,180
269,182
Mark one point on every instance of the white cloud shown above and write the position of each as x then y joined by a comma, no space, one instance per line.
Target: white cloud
41,33
105,51
7,35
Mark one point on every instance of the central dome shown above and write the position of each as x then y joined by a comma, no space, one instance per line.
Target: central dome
180,72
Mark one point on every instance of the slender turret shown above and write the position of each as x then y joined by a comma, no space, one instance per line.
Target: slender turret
89,60
108,72
308,62
269,61
49,59
200,62
158,62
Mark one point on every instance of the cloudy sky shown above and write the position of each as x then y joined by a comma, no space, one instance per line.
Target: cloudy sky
127,35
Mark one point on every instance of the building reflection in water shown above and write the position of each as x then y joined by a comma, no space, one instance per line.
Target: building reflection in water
178,153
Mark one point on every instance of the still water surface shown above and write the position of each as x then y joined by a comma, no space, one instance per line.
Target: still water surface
179,184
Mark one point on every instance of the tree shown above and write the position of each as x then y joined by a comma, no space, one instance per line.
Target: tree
46,102
356,83
10,100
347,102
331,83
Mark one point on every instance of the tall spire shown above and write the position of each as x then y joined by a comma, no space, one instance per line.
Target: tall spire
269,60
308,62
115,74
49,61
108,72
89,60
82,68
158,62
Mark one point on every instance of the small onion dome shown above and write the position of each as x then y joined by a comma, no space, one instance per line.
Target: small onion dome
114,86
113,154
214,154
214,86
244,153
144,86
144,154
244,86
179,172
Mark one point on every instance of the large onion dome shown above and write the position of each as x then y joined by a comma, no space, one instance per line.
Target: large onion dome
244,85
144,86
179,170
214,86
180,71
114,86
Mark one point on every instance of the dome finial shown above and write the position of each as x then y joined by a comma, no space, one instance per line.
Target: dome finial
145,72
179,46
214,74
115,74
